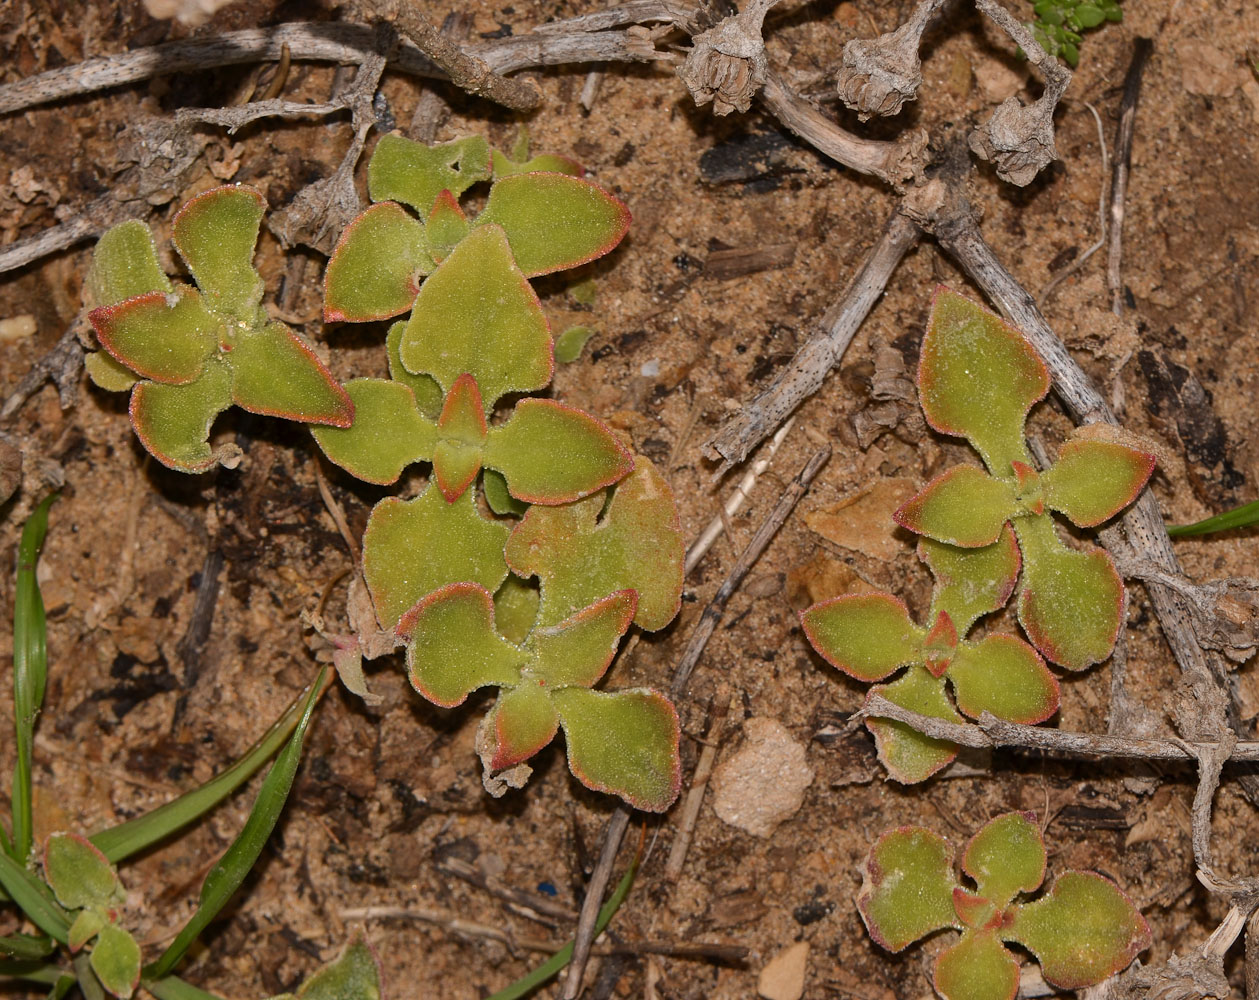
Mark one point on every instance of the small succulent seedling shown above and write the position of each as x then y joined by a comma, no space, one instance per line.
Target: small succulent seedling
602,533
187,354
352,975
1081,931
871,636
1059,24
977,379
85,883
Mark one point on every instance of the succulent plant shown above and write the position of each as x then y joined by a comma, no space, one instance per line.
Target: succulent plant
977,379
1081,931
871,636
187,354
1059,24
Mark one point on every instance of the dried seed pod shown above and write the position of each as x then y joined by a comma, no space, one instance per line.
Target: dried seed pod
1018,139
727,63
880,74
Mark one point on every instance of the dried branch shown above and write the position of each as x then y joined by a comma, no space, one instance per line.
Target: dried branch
63,365
584,935
1141,50
699,783
467,72
806,372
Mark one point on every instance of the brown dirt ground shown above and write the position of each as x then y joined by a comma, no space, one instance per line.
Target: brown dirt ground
385,793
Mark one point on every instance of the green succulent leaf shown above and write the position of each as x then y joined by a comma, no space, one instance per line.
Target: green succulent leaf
1006,857
908,755
1070,603
477,314
867,636
1005,676
116,961
446,226
569,344
978,378
577,651
1083,931
963,506
412,547
550,453
548,162
554,221
275,373
215,234
907,887
452,648
501,502
978,967
516,609
353,975
108,374
428,394
415,174
173,421
1092,481
523,721
581,552
461,443
125,264
86,926
375,269
623,742
79,874
165,336
387,435
970,583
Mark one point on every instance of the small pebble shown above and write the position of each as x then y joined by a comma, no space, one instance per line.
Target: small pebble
783,976
17,327
763,784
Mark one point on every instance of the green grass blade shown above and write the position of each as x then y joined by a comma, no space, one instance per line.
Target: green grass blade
35,899
64,984
35,972
561,958
30,672
26,947
86,978
226,876
135,835
174,988
1239,517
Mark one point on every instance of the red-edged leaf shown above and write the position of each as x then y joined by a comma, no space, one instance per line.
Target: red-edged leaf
975,911
523,722
1070,603
107,373
124,265
978,967
867,636
415,174
971,582
477,314
387,435
1005,676
1006,857
275,373
173,421
978,377
452,648
624,743
412,547
445,226
554,221
908,755
577,651
1092,481
939,645
581,552
461,438
375,269
215,234
907,887
163,336
79,874
550,453
115,959
963,506
1085,930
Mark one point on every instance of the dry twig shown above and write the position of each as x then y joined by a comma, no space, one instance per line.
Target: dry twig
1123,162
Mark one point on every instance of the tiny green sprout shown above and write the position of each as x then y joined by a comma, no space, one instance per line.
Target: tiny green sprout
871,636
1060,24
352,975
977,379
186,354
1082,931
83,880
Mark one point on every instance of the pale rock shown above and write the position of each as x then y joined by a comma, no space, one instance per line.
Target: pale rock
762,784
1207,71
783,976
997,81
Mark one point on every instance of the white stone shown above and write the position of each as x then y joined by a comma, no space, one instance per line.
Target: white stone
762,784
783,976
